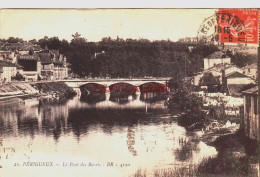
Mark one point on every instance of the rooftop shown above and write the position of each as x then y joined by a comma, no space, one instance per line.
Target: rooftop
6,64
252,66
20,46
252,91
28,57
5,52
45,58
219,68
217,55
236,74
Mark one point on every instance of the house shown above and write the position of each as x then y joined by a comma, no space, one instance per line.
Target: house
251,70
7,71
53,64
233,83
215,58
239,78
229,78
99,53
8,56
189,40
21,48
217,72
251,113
31,66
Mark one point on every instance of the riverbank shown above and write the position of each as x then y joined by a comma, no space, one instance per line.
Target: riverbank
14,93
238,156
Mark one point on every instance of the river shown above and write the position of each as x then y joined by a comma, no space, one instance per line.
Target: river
102,139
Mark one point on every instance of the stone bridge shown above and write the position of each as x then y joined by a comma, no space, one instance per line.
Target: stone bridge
76,83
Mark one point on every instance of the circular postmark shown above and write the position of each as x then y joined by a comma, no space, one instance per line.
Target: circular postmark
223,26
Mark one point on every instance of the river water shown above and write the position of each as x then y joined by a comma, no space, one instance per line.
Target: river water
101,139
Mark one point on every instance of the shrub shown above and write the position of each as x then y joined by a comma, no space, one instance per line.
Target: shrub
226,164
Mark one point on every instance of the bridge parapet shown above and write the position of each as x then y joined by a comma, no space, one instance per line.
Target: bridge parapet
76,83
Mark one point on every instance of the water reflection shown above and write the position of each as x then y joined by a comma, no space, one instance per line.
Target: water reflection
142,134
153,97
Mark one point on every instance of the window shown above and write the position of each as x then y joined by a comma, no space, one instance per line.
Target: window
255,105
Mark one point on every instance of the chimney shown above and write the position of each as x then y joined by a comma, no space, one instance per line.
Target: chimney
224,81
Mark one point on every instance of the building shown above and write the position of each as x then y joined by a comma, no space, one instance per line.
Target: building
53,65
251,70
227,79
7,71
31,66
216,71
216,58
189,40
251,113
239,78
21,48
99,53
8,56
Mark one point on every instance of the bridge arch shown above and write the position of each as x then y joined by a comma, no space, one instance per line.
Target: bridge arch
93,88
123,87
157,87
92,93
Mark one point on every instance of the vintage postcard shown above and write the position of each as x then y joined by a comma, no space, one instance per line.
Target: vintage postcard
129,92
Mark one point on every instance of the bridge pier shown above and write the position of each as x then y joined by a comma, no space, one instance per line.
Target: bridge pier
138,95
107,94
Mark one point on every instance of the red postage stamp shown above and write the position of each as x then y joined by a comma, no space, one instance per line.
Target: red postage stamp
237,26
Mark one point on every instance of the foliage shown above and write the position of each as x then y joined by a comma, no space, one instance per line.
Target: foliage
242,60
127,58
225,164
188,104
12,40
236,141
130,57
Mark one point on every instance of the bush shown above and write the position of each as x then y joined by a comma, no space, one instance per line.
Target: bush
226,164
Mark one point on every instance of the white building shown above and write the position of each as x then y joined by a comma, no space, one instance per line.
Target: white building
217,72
7,71
216,58
239,79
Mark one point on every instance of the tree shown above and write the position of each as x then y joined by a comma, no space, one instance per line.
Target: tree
242,60
188,104
76,35
33,41
31,52
14,40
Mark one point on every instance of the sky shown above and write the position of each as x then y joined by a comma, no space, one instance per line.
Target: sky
94,24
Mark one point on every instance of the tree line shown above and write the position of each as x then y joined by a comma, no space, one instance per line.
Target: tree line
129,57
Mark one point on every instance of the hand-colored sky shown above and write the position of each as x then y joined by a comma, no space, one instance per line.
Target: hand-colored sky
153,24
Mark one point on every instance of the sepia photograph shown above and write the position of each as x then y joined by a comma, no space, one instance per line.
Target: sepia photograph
129,92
